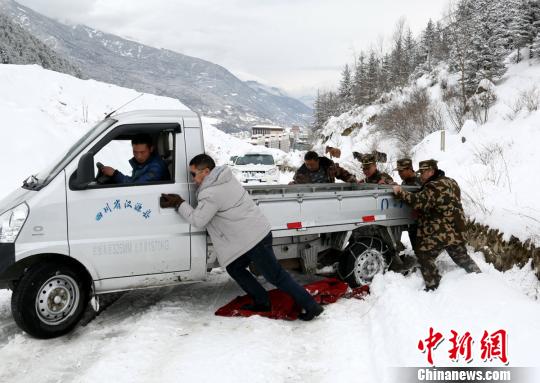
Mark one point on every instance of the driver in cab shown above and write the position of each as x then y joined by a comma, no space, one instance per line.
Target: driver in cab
147,165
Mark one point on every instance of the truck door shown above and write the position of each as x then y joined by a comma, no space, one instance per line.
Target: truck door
119,228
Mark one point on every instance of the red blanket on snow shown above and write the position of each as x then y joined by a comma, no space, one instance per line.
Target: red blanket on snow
283,306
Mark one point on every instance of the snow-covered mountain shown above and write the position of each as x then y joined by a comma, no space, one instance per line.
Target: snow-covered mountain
494,162
205,87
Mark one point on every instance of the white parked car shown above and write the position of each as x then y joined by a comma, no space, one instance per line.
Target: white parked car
256,167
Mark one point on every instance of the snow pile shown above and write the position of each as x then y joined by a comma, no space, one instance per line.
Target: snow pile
163,334
494,163
45,112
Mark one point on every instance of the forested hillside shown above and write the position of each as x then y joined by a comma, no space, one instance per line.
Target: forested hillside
475,39
17,46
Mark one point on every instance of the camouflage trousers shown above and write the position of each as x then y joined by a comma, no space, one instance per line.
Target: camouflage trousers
431,275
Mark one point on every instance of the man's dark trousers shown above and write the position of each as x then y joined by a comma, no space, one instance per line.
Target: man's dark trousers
262,256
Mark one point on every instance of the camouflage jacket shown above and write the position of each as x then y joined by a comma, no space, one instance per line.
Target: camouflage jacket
441,220
377,177
413,181
331,169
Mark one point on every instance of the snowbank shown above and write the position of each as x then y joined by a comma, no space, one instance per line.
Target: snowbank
171,334
494,163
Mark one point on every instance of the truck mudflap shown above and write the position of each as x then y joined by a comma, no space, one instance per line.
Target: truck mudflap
7,256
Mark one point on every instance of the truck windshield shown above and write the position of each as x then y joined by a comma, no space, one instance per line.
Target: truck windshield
45,176
256,159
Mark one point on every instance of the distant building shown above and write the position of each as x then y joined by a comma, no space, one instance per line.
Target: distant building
271,136
267,130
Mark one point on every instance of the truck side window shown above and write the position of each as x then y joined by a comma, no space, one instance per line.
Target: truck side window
116,154
138,158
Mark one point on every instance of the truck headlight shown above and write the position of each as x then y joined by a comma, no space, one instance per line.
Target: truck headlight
273,172
11,223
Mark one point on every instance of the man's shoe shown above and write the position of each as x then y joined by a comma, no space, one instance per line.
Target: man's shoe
315,311
257,307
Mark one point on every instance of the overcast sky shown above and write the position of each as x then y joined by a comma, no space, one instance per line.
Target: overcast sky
297,45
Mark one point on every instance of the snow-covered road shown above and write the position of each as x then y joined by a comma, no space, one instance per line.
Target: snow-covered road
170,334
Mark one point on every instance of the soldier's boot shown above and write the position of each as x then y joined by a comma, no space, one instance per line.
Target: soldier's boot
403,264
429,270
460,256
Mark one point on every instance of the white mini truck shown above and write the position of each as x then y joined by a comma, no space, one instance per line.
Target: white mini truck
69,234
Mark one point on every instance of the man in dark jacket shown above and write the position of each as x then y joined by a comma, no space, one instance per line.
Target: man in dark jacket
147,166
319,170
441,222
372,174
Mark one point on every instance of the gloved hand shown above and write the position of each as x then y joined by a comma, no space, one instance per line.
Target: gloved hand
170,200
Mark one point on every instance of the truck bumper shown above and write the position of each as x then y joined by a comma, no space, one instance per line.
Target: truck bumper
7,256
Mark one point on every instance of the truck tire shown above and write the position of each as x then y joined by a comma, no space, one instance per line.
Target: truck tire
49,300
363,258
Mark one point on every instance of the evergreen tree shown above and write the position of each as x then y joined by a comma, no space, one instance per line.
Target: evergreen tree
521,26
441,44
385,74
535,15
462,56
327,104
318,121
427,45
489,41
371,83
346,89
359,81
398,64
410,54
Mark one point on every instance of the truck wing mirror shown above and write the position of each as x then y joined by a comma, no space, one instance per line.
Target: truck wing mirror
85,172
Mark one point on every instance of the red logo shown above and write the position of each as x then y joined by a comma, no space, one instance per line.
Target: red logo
492,346
431,343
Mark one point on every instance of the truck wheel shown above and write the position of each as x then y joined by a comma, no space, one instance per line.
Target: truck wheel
364,258
49,300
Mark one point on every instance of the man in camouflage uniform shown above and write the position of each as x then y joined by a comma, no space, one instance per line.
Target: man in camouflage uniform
441,222
372,174
316,170
409,178
406,173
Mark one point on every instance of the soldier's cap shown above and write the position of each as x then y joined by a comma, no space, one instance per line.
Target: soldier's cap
368,159
404,163
427,164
